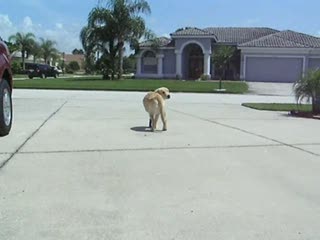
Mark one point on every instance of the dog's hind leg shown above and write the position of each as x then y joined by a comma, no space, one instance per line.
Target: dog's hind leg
150,122
164,120
156,118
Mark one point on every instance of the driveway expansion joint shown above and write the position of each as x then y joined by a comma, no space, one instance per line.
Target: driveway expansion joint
245,131
31,136
151,149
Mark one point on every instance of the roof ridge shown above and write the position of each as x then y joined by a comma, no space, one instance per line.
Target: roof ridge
260,38
243,28
291,40
304,34
192,28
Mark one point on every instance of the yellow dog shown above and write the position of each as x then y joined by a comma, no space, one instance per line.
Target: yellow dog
154,103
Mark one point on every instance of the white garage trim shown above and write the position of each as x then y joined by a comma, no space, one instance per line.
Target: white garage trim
273,56
277,51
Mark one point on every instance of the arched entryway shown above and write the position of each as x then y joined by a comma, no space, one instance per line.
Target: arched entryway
193,61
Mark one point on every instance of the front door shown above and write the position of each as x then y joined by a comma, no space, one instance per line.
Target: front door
195,67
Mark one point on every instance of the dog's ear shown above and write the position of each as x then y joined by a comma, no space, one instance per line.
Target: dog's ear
158,90
161,91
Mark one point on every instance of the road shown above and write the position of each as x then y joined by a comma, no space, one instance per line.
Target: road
81,165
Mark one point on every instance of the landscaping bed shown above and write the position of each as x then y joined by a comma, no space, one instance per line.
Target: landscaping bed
295,110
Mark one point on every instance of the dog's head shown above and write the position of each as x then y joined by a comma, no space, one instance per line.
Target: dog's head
164,92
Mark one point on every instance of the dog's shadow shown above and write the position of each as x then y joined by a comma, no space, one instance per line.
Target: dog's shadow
141,129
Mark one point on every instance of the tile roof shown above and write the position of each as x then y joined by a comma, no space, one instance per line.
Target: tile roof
287,39
238,35
161,42
244,37
191,32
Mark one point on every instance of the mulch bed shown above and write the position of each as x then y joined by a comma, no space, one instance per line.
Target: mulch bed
304,115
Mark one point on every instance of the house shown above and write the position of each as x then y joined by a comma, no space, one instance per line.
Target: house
263,54
79,58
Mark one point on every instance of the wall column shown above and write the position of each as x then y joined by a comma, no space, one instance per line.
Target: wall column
207,64
160,65
178,63
138,65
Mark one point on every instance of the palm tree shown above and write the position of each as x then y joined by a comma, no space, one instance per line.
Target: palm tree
48,49
100,36
36,51
24,42
308,87
129,26
88,45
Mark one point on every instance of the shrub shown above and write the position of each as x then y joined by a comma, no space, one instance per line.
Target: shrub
74,66
308,87
16,67
204,77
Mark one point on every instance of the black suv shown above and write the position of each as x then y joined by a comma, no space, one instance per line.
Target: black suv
42,71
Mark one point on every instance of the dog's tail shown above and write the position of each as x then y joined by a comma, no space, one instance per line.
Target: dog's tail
158,98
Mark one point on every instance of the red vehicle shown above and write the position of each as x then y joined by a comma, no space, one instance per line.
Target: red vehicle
5,90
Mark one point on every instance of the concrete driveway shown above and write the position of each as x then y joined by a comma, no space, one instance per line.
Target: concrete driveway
80,165
271,89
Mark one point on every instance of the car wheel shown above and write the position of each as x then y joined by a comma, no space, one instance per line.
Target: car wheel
30,77
5,108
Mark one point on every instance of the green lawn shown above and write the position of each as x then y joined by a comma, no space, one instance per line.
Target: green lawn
95,83
285,107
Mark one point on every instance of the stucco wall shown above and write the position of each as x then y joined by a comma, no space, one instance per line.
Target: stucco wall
169,62
314,63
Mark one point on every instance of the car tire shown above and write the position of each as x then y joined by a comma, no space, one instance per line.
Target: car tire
30,77
5,108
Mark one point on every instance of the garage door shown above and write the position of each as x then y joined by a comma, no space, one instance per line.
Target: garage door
314,63
273,69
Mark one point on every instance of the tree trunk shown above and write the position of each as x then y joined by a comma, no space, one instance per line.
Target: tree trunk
112,67
23,60
224,73
121,44
316,105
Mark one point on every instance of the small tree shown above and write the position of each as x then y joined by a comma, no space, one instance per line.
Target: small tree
308,87
222,58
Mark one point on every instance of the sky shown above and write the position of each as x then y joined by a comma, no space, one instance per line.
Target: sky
62,20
